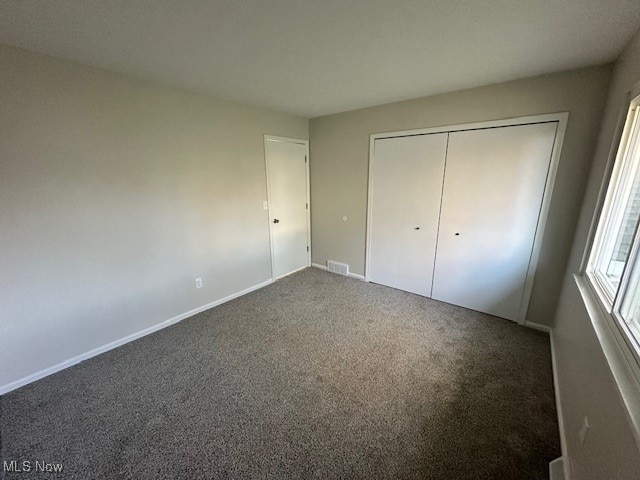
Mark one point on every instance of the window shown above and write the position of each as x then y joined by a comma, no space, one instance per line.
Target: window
614,262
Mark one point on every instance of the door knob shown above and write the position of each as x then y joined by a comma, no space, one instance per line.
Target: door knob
457,234
275,220
417,228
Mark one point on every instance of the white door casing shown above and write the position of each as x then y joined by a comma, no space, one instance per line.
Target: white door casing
406,187
491,203
288,203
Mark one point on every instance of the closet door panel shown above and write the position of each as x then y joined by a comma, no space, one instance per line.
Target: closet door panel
493,191
406,188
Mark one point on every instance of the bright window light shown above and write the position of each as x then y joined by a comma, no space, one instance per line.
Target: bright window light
614,261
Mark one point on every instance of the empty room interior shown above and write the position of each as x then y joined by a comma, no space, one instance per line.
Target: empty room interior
360,239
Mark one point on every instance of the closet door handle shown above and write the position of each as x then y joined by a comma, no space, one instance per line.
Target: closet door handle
417,228
457,234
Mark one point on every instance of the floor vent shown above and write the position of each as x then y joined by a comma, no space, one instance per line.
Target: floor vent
337,267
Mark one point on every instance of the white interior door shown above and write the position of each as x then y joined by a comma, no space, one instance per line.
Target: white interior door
493,192
287,177
406,185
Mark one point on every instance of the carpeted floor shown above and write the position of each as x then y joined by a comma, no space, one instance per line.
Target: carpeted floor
315,376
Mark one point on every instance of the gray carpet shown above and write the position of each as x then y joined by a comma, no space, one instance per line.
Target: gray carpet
315,376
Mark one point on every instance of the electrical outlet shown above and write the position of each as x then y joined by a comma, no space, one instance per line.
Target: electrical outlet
584,430
198,282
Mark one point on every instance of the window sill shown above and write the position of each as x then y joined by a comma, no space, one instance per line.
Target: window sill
624,368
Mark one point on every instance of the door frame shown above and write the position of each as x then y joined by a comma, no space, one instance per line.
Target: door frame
274,138
560,117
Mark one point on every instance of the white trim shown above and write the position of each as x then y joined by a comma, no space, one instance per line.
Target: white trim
504,122
266,173
538,326
621,360
556,469
129,338
617,175
604,186
274,138
292,272
357,276
566,467
367,238
561,118
544,215
566,462
607,216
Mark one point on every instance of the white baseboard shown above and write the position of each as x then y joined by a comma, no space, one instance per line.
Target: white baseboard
129,338
292,272
556,469
350,275
566,462
538,326
563,462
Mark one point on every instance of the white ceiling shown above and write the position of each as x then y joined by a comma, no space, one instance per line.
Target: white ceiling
314,57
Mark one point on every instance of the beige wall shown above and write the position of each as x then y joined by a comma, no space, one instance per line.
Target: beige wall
115,194
586,383
340,150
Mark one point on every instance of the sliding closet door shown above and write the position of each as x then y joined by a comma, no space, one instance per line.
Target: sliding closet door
406,187
491,203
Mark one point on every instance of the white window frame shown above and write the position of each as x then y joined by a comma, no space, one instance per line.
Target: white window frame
615,186
617,344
